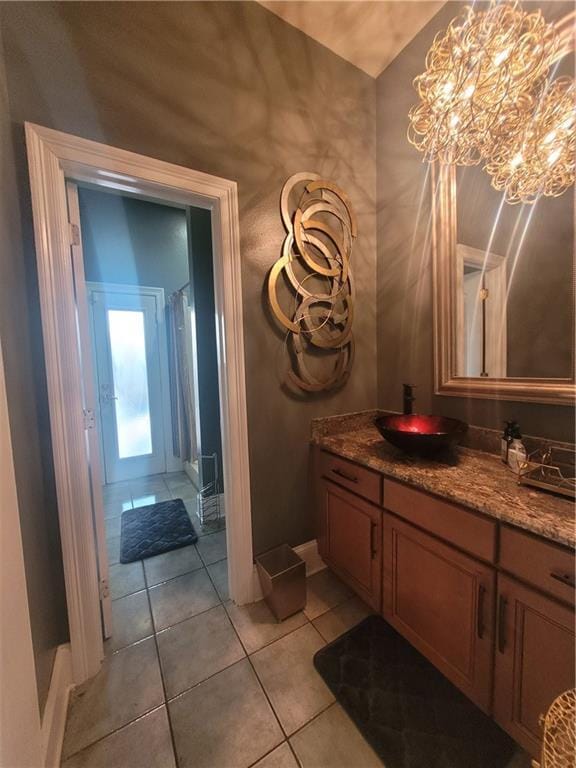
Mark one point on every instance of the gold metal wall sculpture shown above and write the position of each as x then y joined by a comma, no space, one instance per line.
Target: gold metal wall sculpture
315,267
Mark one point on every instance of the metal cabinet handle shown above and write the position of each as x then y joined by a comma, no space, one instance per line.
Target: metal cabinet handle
502,607
373,546
480,611
344,476
564,578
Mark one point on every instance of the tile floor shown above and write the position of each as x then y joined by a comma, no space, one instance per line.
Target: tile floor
191,680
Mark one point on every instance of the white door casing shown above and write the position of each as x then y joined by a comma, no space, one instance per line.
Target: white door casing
90,408
492,270
54,157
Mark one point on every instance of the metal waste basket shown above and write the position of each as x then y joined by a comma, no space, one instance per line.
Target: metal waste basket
283,578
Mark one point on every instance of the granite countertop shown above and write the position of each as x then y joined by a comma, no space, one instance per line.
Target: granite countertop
476,480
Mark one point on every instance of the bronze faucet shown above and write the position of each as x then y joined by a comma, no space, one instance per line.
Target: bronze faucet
408,399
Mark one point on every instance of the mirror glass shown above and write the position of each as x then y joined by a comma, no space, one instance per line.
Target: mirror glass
514,283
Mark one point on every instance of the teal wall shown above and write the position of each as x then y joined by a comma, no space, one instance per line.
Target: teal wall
202,299
132,241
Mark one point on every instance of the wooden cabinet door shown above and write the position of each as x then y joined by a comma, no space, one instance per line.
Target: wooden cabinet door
534,659
442,602
353,541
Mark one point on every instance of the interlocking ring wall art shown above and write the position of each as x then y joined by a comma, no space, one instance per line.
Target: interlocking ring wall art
315,266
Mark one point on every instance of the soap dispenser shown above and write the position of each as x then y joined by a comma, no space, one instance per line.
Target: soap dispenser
506,440
516,451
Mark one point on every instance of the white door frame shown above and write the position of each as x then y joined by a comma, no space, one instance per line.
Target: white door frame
92,438
494,269
54,157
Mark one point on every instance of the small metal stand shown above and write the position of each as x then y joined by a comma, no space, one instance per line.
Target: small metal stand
210,508
552,469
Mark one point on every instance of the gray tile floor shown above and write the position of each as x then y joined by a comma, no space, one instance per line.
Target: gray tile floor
190,679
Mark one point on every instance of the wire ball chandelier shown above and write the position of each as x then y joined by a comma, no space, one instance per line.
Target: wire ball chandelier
486,97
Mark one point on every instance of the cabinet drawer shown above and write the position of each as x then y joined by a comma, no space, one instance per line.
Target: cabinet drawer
466,530
543,564
358,479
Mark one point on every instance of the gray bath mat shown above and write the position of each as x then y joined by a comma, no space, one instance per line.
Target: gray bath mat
152,530
410,714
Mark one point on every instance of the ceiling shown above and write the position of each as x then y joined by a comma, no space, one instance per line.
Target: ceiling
366,33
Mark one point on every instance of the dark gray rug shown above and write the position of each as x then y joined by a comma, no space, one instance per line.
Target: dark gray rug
152,530
407,711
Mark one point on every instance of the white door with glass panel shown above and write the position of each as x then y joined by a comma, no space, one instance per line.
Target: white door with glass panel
127,354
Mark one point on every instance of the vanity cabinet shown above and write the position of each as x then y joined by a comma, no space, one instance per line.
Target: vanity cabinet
489,604
352,540
442,602
534,659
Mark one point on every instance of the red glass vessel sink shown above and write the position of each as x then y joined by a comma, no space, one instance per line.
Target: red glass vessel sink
426,435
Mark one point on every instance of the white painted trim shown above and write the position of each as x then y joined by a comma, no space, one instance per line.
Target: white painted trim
494,269
256,586
476,257
53,157
308,552
54,720
20,743
91,403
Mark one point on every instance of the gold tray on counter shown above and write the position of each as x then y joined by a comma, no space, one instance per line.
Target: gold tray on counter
552,469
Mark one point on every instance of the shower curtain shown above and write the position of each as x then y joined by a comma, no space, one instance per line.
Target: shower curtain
182,378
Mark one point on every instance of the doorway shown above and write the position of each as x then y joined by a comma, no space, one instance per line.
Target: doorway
152,419
54,159
481,313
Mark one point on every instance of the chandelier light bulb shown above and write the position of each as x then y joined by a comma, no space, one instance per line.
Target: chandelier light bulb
487,69
540,158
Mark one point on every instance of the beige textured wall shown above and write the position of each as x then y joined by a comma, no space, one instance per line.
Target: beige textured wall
538,242
405,351
26,393
230,89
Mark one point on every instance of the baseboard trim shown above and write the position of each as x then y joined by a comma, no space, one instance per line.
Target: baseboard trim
54,720
257,593
308,552
192,473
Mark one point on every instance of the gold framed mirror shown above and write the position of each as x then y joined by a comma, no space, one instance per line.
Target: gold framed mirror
504,292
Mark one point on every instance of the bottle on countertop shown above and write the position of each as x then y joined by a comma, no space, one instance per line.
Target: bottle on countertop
516,451
506,440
